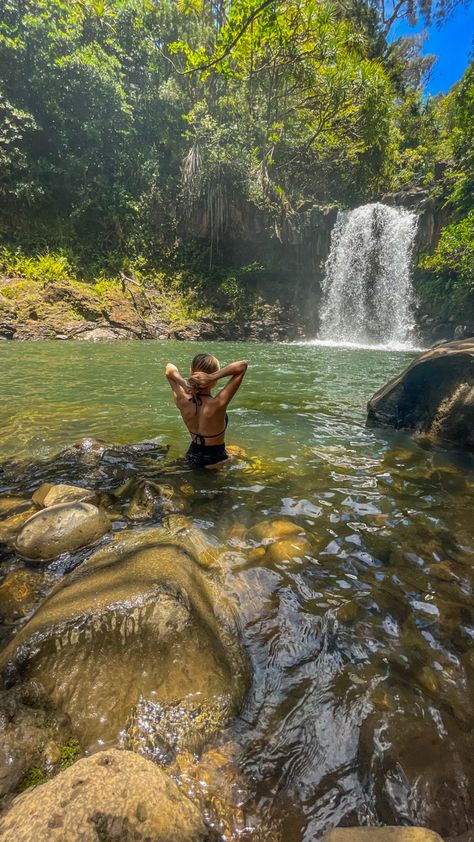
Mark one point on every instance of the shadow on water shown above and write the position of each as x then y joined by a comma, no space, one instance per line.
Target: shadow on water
359,624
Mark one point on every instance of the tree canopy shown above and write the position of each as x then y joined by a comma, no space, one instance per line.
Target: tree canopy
123,118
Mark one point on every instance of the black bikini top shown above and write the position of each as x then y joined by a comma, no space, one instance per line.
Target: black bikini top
197,437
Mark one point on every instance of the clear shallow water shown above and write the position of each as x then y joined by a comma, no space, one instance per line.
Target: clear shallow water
55,393
362,647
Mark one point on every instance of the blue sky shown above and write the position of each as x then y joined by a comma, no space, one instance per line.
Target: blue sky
452,43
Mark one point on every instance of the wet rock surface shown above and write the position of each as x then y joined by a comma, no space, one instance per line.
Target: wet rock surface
114,795
19,591
61,528
138,623
91,462
49,494
433,397
11,526
28,724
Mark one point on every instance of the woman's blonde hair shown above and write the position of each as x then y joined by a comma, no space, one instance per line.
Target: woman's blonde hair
206,363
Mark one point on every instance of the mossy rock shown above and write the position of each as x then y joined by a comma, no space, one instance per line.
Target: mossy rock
138,619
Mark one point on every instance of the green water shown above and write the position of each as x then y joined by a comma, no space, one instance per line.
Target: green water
362,650
294,397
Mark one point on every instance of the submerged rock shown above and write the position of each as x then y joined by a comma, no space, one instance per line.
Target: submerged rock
433,397
113,795
28,723
18,593
274,530
217,785
281,551
137,630
94,463
61,528
381,834
161,731
10,526
150,499
417,774
49,494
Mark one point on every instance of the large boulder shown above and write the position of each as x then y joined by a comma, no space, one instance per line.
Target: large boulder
113,795
433,397
59,529
137,646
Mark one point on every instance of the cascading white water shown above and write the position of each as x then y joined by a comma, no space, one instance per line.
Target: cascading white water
367,289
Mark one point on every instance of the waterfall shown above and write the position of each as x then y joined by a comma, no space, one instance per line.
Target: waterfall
367,290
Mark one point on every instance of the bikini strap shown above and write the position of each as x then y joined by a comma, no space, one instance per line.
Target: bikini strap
196,398
197,437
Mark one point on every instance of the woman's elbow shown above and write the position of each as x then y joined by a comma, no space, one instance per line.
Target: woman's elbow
243,365
169,368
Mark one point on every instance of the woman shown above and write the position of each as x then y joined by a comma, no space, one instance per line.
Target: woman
205,415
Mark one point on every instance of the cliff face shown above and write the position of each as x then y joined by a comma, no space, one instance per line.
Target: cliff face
286,253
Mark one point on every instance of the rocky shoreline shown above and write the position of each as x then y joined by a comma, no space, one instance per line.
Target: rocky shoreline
69,310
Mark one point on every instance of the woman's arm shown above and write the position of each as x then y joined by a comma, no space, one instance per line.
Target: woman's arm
201,380
178,384
236,371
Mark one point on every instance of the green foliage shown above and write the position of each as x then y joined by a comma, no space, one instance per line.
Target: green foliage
446,278
453,258
45,267
69,753
104,287
34,776
137,134
463,143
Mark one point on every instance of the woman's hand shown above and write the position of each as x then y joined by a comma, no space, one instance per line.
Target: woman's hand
201,380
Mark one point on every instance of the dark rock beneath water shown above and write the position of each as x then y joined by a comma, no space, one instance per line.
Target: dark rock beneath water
114,795
417,775
91,462
433,397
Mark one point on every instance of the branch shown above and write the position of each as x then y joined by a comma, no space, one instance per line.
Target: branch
388,23
201,67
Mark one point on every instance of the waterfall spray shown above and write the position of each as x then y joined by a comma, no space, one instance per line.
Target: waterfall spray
367,289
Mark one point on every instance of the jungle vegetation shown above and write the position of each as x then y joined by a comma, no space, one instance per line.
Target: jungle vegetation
121,121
